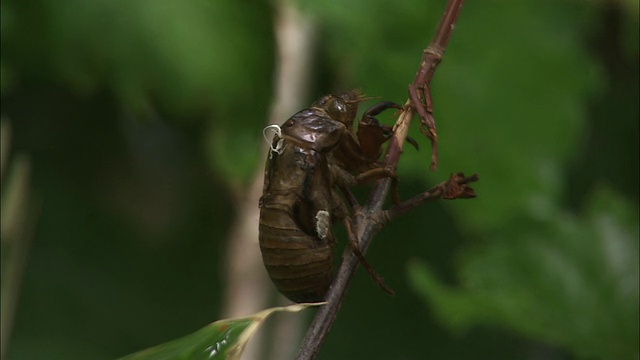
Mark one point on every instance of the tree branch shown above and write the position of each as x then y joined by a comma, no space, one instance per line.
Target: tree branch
367,221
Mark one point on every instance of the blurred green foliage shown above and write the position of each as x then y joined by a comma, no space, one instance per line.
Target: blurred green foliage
572,282
139,117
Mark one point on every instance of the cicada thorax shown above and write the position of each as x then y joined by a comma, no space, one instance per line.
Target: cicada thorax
296,209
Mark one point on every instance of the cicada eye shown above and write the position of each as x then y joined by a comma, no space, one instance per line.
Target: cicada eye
322,102
337,109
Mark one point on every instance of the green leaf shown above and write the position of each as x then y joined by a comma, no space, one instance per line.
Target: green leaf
223,339
571,281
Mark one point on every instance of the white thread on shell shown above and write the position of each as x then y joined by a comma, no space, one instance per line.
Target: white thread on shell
279,145
323,221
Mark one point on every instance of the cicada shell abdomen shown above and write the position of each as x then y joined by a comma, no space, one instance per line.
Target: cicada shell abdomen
295,221
299,264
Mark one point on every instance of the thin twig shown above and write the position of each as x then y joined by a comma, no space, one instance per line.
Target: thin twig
457,187
364,219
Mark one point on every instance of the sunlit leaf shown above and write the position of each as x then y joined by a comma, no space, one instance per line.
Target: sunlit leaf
223,339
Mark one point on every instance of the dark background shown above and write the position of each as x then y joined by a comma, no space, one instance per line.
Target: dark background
130,127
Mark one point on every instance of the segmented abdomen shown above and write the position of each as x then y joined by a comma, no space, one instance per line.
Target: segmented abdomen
299,264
